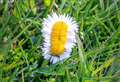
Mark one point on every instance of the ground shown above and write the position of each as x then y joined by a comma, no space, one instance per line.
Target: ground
95,58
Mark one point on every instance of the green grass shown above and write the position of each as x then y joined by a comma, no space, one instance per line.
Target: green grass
96,57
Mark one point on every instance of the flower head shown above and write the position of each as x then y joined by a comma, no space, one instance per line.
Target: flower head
59,37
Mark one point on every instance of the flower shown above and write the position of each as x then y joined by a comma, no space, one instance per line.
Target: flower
59,37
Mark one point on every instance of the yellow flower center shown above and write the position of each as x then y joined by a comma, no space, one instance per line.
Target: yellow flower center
58,38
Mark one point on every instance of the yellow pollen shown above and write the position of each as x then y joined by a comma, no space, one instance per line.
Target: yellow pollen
58,38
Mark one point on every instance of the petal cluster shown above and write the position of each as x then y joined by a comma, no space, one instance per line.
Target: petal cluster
47,30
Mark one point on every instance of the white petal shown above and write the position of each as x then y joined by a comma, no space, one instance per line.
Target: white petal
65,55
54,59
47,56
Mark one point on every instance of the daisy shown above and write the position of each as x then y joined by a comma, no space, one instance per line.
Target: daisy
59,37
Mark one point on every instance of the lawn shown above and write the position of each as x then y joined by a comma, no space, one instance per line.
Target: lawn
95,58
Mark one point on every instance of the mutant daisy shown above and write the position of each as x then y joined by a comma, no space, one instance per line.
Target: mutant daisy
59,37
